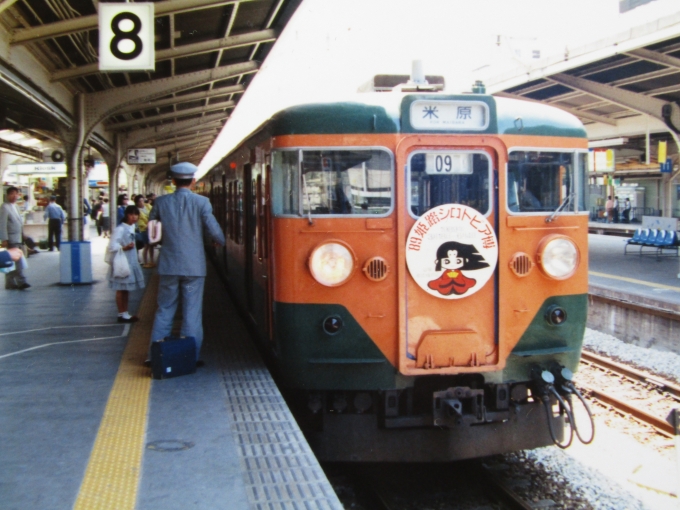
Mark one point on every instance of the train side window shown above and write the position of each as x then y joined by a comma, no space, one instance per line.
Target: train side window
540,181
449,177
332,182
286,182
346,182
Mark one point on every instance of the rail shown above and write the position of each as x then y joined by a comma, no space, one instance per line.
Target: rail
659,424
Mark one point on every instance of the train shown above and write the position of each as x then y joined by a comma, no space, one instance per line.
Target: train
415,265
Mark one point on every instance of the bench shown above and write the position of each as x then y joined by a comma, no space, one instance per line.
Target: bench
659,240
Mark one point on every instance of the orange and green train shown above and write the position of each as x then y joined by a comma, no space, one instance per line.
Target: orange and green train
417,266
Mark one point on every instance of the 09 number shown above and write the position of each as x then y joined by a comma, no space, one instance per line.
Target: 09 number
443,163
120,36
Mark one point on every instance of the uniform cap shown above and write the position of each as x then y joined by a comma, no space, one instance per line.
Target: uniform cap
183,170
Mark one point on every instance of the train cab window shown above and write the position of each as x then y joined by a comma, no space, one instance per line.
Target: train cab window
542,181
333,182
449,177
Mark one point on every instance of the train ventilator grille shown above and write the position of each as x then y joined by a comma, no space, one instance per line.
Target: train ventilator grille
521,264
376,269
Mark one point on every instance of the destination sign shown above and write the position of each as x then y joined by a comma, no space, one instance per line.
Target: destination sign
449,115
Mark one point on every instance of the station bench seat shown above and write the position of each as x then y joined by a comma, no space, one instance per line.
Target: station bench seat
658,240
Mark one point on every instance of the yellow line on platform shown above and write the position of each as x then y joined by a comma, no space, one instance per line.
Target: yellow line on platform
112,475
633,280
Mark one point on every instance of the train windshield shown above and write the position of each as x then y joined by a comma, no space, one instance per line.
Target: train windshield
333,182
449,177
542,181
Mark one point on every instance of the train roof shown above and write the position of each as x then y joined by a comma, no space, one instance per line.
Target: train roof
427,113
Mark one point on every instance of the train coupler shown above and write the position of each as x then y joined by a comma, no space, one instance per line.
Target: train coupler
458,406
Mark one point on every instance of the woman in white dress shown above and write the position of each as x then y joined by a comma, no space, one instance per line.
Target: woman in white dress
123,237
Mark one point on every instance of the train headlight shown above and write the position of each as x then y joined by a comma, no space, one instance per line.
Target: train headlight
332,263
558,256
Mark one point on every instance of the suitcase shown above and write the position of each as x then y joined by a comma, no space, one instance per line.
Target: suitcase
173,357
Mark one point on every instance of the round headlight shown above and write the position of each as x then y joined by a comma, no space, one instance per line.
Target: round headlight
558,257
332,263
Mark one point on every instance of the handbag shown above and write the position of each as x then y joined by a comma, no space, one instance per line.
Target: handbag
121,268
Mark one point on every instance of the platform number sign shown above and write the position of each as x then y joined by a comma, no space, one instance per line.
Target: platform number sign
126,37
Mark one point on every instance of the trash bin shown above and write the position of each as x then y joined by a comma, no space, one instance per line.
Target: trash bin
75,262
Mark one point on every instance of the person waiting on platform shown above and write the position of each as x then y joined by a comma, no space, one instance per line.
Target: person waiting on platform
122,203
55,217
609,209
143,234
11,236
105,218
181,264
626,210
123,238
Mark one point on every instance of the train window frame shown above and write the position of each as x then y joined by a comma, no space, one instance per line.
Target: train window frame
447,150
300,150
577,206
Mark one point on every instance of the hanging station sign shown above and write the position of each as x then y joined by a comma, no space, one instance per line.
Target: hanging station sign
126,37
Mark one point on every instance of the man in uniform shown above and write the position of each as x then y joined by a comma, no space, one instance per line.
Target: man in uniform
55,217
184,216
11,235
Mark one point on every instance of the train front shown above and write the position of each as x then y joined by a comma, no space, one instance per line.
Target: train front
434,296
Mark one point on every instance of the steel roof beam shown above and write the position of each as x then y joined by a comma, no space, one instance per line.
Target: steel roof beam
91,22
237,41
184,144
637,102
165,130
225,91
656,57
120,126
100,105
575,112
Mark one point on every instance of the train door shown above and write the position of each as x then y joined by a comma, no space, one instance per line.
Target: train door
450,281
257,271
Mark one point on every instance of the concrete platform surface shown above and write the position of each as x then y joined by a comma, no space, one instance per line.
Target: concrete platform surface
222,438
637,275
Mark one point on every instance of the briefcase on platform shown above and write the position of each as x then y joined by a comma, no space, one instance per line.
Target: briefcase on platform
173,357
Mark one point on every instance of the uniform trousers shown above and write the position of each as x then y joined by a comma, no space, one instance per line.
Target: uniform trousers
170,287
15,278
54,232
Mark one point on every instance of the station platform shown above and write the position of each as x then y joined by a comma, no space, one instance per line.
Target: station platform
641,277
83,425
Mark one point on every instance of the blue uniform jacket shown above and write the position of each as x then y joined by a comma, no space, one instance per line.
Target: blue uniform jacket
184,216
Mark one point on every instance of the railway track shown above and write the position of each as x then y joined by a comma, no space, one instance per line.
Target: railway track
633,392
497,483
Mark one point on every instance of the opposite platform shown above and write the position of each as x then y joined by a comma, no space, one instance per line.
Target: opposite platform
222,438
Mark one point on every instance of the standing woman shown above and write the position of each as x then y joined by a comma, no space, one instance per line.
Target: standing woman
106,218
123,237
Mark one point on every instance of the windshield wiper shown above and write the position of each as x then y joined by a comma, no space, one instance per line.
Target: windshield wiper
550,218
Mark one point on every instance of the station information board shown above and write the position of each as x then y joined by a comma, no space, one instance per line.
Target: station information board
141,156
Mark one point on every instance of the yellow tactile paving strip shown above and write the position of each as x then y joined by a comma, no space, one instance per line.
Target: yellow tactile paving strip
112,475
633,280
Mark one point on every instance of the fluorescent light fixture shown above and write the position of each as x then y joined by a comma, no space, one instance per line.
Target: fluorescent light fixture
609,142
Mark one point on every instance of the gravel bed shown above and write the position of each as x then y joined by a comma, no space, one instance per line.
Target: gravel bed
663,363
579,483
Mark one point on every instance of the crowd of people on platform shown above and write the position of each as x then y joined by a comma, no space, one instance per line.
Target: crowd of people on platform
613,211
186,218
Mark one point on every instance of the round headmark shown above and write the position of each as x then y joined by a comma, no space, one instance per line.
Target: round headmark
451,251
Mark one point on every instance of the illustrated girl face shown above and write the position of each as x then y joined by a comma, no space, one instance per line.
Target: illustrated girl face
452,260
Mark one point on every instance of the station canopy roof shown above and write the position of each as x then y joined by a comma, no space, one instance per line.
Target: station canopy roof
206,54
632,87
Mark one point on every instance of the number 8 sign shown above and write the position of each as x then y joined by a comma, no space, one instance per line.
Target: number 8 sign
126,37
